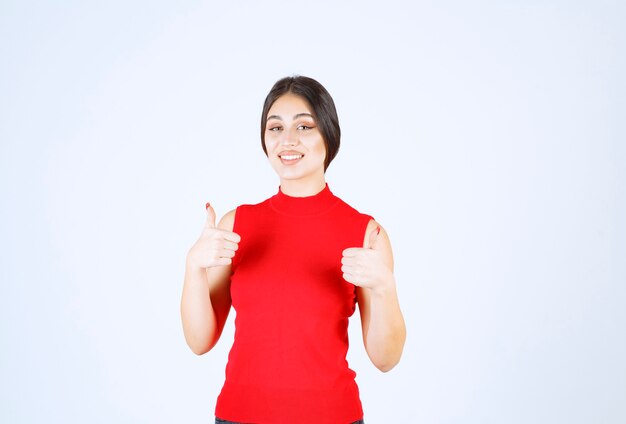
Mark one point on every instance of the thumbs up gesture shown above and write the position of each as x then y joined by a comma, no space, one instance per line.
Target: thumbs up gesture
215,247
372,265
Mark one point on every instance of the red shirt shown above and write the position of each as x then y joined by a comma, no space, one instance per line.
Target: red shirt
288,361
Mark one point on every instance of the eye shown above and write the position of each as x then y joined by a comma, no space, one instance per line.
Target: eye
305,127
274,129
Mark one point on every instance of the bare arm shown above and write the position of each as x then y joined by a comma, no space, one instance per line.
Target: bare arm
206,302
371,269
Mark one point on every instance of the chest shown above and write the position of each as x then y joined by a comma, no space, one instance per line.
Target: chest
294,266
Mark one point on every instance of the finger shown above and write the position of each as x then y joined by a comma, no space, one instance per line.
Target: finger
230,236
229,245
349,278
355,274
210,216
373,238
226,253
223,261
352,251
348,269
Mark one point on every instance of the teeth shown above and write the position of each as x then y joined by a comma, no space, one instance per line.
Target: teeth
291,157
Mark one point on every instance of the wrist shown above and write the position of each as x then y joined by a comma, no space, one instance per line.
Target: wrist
386,287
192,267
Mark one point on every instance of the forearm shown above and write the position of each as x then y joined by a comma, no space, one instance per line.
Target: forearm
198,316
386,332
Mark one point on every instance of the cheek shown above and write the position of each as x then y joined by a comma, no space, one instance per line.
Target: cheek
315,143
270,143
321,147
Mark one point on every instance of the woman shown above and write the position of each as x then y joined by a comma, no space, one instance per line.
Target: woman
293,267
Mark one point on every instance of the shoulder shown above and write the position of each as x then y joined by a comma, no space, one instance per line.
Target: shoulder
228,221
374,226
242,214
350,210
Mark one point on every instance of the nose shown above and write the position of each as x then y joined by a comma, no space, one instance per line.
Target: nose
290,138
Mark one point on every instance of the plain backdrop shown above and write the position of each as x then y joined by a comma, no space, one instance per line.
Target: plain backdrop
487,137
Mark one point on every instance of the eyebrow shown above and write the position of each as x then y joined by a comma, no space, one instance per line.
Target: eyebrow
299,115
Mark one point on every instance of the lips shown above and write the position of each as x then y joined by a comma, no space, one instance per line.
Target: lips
290,156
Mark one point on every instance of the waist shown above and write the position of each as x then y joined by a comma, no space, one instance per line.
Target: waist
221,421
263,404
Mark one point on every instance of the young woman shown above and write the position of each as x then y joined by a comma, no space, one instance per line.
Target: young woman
293,267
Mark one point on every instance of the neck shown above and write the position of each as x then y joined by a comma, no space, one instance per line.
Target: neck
302,188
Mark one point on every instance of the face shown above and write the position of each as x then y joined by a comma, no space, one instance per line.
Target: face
295,147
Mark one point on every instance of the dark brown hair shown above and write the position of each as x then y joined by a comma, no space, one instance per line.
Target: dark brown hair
322,106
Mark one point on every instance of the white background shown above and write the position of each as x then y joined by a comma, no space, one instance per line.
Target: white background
487,137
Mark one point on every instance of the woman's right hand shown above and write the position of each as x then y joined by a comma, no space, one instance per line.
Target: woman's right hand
215,247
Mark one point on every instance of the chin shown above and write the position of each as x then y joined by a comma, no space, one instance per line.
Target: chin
290,176
294,173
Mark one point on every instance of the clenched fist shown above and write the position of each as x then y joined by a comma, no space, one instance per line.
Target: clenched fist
369,266
215,247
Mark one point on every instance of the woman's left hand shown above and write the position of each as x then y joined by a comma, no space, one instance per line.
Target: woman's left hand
369,266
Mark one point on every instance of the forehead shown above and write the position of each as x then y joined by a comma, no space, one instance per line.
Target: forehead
289,105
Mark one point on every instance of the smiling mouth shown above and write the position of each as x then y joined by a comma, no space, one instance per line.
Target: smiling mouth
290,157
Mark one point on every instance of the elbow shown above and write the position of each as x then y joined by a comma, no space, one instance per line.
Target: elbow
199,347
199,350
386,365
199,340
386,357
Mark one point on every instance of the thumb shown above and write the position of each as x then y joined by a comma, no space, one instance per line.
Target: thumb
373,238
210,216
